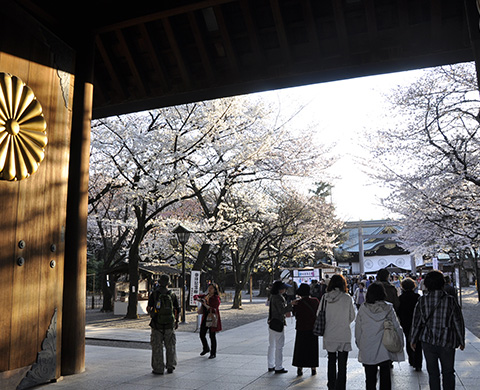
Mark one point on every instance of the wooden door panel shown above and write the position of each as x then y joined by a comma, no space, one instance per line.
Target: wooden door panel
34,212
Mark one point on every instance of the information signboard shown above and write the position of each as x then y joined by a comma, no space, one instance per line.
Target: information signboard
194,286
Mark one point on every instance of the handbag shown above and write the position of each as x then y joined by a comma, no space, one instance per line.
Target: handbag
390,339
276,325
321,320
211,320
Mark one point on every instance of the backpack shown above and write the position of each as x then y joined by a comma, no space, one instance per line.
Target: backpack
163,309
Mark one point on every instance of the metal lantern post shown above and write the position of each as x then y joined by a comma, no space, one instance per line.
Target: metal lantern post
183,235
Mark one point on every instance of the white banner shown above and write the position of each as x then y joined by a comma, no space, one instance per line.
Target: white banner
194,286
374,263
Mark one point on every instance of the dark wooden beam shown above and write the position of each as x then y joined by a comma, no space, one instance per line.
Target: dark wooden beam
310,24
176,51
75,271
139,85
206,62
159,68
116,85
164,14
341,27
227,42
252,33
280,28
371,23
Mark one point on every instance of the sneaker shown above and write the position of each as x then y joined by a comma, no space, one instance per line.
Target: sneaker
282,371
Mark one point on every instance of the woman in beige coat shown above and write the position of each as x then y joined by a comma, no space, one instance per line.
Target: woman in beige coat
337,339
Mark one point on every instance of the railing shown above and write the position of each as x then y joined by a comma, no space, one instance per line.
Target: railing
94,301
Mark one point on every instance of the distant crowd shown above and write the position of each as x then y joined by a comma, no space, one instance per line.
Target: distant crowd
390,317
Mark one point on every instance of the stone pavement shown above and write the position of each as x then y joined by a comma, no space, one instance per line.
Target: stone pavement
240,364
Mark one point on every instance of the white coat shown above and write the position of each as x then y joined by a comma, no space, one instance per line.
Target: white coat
340,313
369,333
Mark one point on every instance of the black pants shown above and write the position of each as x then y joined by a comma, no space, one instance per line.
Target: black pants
337,379
203,338
371,375
414,357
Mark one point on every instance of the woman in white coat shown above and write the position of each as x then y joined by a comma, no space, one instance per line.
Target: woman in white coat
337,339
368,336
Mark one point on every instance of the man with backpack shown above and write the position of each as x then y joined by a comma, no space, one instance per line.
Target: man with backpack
163,308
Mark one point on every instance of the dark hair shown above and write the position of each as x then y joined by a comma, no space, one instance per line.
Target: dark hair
408,284
434,280
164,280
383,274
303,290
375,292
337,281
361,284
215,287
277,286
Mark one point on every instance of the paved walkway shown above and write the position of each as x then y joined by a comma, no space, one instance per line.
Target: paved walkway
240,364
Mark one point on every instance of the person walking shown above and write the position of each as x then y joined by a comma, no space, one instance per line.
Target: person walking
337,339
163,308
450,289
291,291
383,277
408,300
210,304
278,307
438,324
359,294
369,328
305,352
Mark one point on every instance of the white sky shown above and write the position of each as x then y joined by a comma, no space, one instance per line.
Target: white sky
344,110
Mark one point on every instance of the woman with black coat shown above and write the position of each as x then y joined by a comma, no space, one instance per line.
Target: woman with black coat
305,352
408,300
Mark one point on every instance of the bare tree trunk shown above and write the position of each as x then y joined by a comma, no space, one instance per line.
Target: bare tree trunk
202,255
237,298
475,267
133,287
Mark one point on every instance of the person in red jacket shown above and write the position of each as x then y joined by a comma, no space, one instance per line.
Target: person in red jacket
210,304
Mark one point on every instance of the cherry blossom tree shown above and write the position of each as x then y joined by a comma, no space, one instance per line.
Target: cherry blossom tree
189,163
430,160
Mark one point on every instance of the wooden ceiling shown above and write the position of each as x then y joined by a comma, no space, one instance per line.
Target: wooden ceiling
159,53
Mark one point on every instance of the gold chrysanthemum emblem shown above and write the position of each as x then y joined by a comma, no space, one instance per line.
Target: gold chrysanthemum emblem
22,129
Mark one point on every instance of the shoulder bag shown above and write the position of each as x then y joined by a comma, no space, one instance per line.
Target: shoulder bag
320,321
212,320
390,339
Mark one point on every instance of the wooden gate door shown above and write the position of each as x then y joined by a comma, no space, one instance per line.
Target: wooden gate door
36,91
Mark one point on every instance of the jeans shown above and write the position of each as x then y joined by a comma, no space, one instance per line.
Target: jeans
337,380
276,341
446,355
213,339
371,375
